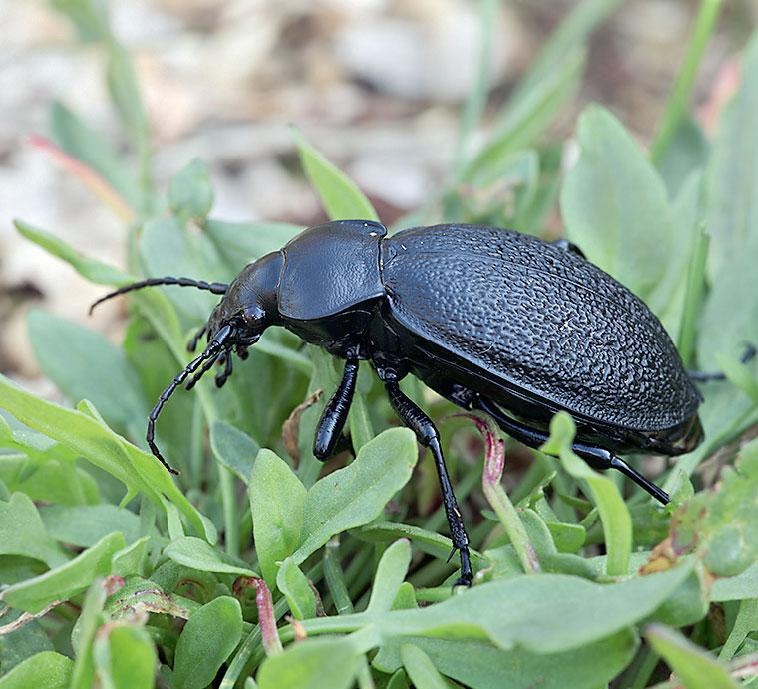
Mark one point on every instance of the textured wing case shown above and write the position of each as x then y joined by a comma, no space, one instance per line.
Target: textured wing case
539,318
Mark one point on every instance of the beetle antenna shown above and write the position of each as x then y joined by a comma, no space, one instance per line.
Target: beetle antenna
207,366
213,287
210,352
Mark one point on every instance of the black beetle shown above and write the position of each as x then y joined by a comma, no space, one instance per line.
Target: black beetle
493,320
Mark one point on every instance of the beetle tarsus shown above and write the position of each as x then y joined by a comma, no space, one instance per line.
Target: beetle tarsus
705,377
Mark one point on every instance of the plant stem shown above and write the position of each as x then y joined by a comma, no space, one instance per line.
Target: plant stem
678,101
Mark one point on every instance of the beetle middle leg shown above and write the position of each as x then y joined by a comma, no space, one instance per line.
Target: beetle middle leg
429,436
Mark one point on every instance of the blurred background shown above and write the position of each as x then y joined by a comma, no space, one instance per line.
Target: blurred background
377,85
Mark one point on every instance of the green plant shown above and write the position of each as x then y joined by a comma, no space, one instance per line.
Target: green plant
113,572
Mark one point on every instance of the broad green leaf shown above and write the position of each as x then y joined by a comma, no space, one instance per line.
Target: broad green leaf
420,668
481,664
93,270
745,622
724,329
277,500
614,514
131,560
720,526
65,581
23,532
744,585
234,449
85,525
80,140
125,658
167,250
686,152
311,664
523,611
48,669
695,668
210,635
732,179
196,553
616,209
84,364
190,194
342,198
357,494
301,598
688,604
82,434
241,243
390,574
22,643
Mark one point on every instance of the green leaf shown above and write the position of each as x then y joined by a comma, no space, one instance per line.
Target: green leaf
616,209
131,560
240,243
23,532
521,611
83,636
525,118
732,177
125,94
614,514
85,525
83,142
342,198
482,665
420,668
48,669
196,553
65,581
426,541
723,329
686,152
720,525
234,449
742,586
212,632
190,194
84,364
390,574
695,668
311,664
90,18
125,658
357,494
89,268
82,434
277,500
301,598
22,643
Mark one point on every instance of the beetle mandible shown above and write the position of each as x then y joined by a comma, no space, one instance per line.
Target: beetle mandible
491,319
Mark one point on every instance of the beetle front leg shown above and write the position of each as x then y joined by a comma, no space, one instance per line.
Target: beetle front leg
334,416
429,436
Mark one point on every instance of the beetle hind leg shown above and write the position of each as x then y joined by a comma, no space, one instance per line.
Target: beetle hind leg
597,457
428,436
329,438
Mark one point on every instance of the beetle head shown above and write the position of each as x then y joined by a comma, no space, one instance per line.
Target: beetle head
250,303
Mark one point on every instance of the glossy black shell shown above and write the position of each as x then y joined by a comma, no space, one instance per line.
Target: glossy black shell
536,327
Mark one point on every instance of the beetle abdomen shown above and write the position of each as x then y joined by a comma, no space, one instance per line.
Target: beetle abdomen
538,318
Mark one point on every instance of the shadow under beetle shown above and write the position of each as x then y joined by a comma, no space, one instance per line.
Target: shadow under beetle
493,320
